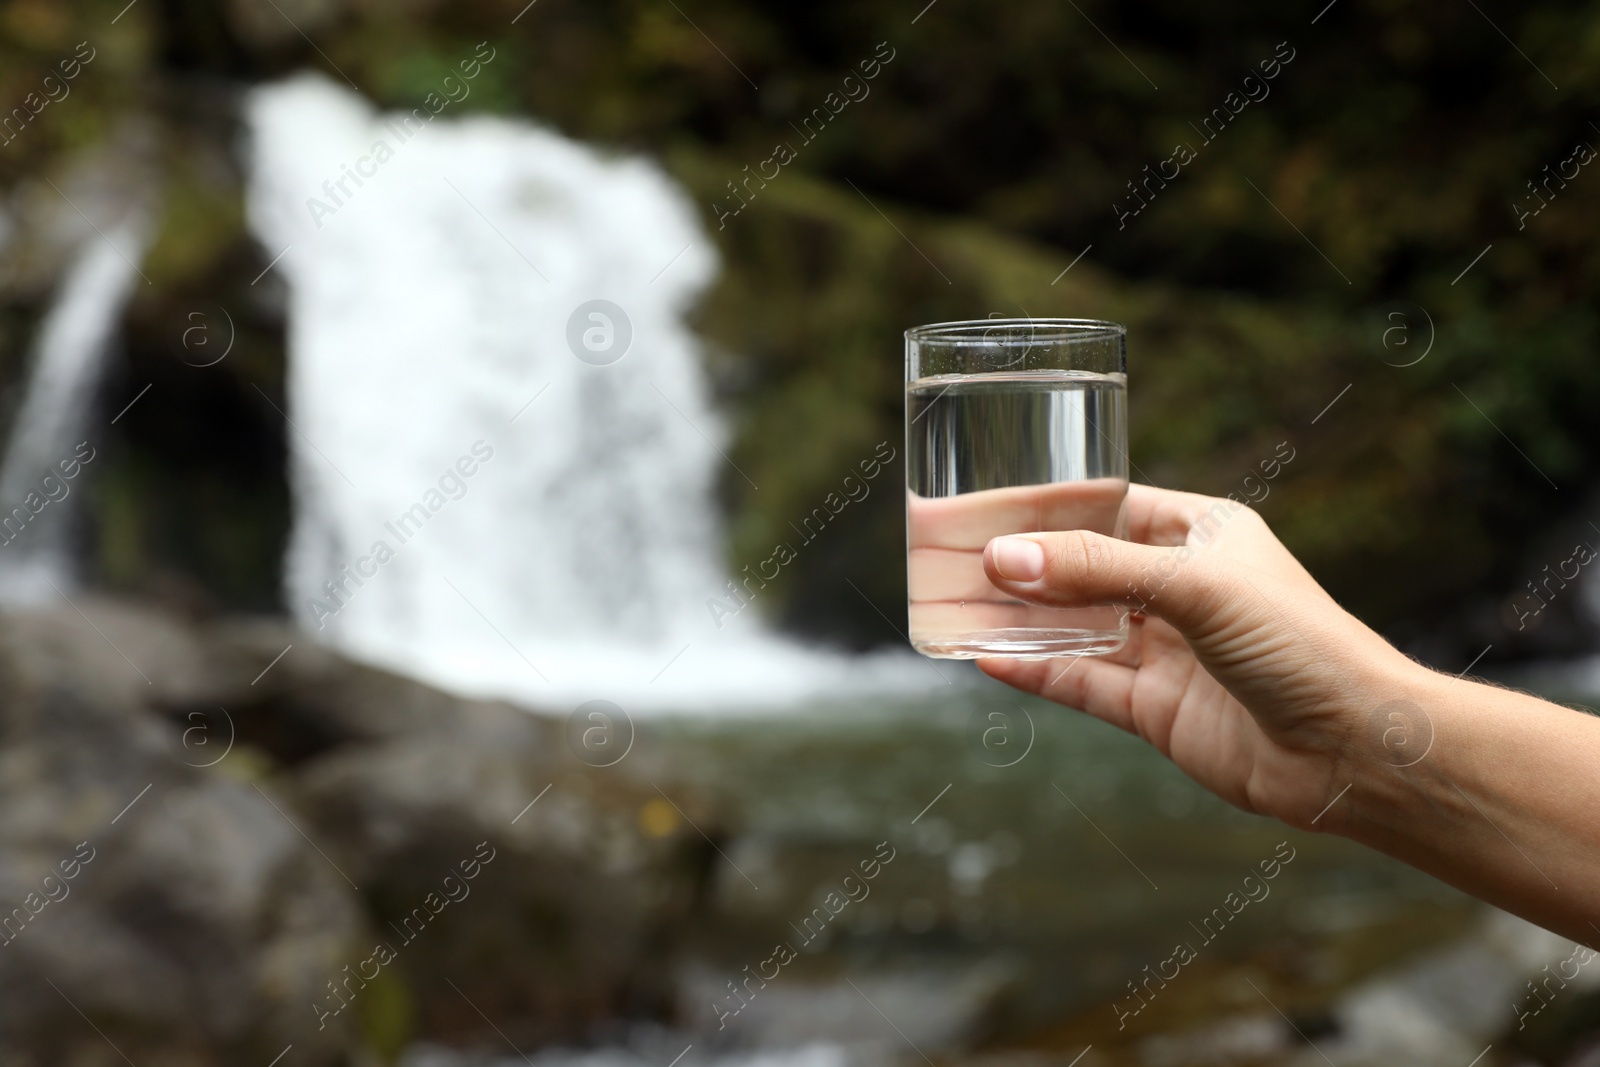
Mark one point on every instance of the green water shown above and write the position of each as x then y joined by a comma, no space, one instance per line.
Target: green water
1072,867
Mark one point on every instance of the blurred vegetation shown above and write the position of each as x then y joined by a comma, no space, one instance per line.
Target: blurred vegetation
1388,154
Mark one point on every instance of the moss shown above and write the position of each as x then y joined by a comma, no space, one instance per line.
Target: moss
201,221
387,1014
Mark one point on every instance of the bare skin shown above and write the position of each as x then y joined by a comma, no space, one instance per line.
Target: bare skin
1248,676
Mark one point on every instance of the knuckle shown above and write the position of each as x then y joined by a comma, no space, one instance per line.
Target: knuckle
1078,555
1208,519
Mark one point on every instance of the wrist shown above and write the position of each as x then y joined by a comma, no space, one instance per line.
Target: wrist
1387,756
1491,790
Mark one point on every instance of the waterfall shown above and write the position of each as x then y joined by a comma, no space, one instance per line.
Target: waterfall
500,485
53,419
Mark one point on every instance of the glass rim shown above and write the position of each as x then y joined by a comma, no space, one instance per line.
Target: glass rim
979,331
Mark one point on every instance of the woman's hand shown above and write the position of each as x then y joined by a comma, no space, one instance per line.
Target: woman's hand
1254,682
1238,667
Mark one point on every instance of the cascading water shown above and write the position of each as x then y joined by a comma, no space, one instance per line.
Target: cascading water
484,495
34,559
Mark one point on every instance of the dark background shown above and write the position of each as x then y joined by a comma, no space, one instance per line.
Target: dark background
1396,142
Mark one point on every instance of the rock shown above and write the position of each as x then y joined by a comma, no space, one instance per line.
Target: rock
573,899
291,848
932,1007
1444,1008
1243,1037
810,1054
196,921
1440,1008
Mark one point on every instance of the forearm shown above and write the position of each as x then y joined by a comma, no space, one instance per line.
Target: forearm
1495,792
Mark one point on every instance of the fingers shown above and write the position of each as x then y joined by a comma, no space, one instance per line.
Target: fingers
1090,683
1165,516
968,520
1075,569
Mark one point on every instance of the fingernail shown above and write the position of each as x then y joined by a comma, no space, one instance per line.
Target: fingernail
1018,559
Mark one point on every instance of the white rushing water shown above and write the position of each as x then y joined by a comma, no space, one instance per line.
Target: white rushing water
429,310
67,365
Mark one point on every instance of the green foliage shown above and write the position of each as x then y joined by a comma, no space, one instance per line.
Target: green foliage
817,287
1384,156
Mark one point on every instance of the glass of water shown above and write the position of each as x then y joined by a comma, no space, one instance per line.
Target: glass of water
1012,426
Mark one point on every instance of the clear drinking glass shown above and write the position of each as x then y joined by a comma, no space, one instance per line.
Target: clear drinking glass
1012,426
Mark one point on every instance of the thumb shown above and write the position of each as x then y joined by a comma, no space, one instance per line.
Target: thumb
1077,568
